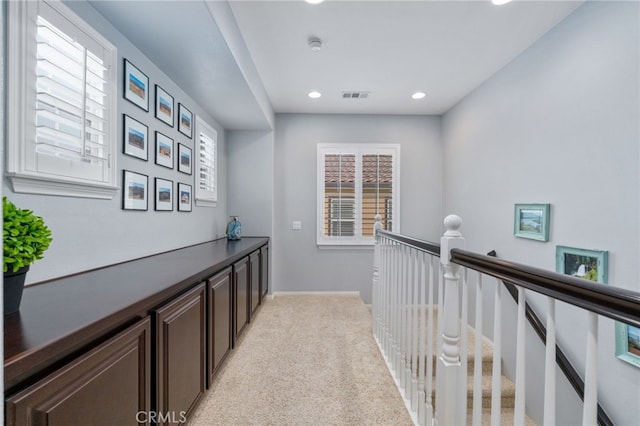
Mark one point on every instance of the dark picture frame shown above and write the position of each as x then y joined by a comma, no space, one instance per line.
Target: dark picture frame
164,195
185,159
164,150
135,138
185,196
164,106
136,86
135,191
185,121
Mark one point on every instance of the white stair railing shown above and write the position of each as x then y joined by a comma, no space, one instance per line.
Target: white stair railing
416,333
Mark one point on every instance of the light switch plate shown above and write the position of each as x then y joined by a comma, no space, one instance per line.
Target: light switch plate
297,225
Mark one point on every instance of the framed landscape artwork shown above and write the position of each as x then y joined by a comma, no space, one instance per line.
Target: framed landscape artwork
185,120
164,150
591,265
164,106
134,190
136,86
628,343
184,159
184,197
532,221
136,138
164,195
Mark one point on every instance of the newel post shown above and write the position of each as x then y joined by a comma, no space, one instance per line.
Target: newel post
375,296
449,358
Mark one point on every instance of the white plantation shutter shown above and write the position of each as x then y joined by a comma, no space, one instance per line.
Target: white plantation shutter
355,183
66,76
339,195
206,151
377,191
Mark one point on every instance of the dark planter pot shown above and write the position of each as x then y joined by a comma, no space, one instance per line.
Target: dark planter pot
13,286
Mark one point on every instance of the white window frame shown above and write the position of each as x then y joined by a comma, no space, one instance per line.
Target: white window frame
21,95
203,197
359,149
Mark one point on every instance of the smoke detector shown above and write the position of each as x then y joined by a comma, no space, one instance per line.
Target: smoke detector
315,44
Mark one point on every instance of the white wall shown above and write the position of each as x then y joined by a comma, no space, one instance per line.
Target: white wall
298,263
559,125
91,233
250,177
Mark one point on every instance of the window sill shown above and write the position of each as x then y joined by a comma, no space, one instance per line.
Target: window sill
206,203
46,186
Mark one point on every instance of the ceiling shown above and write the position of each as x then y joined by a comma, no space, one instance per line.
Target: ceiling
387,48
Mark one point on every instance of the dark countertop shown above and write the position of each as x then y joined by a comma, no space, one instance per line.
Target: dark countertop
61,317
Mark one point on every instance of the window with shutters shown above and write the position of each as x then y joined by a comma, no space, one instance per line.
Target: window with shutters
206,167
61,110
356,182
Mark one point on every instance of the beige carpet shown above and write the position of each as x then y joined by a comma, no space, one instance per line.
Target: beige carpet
306,360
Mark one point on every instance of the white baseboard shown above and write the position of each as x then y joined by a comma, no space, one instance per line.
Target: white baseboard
269,297
317,293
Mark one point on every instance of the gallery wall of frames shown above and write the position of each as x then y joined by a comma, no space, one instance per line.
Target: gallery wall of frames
170,148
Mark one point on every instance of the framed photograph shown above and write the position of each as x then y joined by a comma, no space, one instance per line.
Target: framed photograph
135,139
164,106
628,343
532,221
135,188
591,265
136,86
164,195
185,120
184,159
184,197
164,150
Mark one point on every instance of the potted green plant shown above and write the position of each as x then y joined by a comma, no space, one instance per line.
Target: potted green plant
25,238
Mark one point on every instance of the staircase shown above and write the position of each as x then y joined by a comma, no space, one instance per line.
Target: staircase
508,387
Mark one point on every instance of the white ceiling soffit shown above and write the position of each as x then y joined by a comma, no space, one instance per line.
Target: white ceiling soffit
183,40
389,49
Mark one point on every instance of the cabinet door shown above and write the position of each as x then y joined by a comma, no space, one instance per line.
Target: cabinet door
264,272
181,360
219,289
109,385
254,269
241,296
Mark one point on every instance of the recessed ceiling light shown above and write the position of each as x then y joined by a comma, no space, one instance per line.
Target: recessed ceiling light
418,95
314,94
314,1
500,2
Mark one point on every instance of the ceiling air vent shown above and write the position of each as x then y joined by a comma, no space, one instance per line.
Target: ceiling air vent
355,95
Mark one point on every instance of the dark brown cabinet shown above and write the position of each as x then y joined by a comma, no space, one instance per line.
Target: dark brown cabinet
132,343
219,321
109,385
240,297
181,354
254,270
264,272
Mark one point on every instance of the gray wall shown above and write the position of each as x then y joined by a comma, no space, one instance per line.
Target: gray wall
298,263
559,125
250,176
91,233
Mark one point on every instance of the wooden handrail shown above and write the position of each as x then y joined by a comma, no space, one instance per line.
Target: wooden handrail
422,245
612,302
